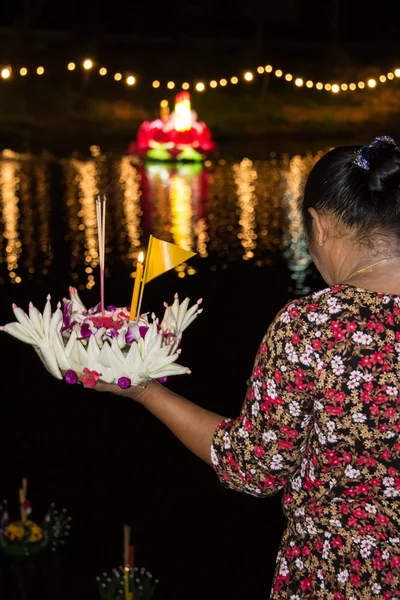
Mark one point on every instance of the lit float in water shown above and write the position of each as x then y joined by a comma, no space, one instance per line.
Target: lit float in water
174,137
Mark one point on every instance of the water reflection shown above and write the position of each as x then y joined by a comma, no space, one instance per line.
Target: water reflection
10,242
225,212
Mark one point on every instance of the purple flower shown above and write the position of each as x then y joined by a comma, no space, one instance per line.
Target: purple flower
111,309
71,377
130,337
143,330
85,331
162,379
124,383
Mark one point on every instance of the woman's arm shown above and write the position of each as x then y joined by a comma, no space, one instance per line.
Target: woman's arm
192,425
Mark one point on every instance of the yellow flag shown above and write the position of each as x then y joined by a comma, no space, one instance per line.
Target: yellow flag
161,257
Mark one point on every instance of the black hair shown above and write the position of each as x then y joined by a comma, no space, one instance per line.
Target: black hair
365,199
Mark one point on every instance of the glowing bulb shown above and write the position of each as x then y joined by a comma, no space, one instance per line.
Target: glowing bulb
319,85
185,85
382,78
164,103
156,84
223,82
397,72
6,73
71,66
299,82
23,71
248,76
352,87
278,73
371,83
234,80
170,85
200,87
310,83
213,84
117,76
130,80
328,87
103,71
87,64
390,75
288,77
260,70
344,87
335,88
268,69
40,70
361,85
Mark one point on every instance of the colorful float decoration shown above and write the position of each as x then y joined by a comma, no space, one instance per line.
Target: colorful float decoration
127,582
24,538
174,137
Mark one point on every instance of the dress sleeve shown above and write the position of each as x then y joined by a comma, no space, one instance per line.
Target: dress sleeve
259,451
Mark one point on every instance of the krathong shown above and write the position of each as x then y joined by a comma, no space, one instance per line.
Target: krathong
23,538
84,345
115,345
174,137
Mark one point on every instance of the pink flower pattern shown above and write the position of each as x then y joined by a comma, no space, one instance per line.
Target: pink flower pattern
321,421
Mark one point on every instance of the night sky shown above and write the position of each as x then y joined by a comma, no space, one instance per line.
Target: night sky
308,20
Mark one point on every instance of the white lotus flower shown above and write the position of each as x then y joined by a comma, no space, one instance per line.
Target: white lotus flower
117,349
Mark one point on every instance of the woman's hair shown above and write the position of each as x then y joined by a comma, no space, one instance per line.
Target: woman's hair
359,185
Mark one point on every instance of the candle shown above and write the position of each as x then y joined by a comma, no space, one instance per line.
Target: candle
136,287
131,557
21,505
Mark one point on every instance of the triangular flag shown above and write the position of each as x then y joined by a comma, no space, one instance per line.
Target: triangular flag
161,257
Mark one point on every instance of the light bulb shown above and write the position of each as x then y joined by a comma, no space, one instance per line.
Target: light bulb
130,80
71,66
156,84
200,87
299,82
87,64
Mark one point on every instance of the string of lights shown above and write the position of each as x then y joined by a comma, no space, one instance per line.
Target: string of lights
334,87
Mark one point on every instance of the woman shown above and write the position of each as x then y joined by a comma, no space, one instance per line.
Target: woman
321,416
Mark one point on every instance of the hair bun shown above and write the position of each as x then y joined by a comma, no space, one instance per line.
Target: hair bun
384,171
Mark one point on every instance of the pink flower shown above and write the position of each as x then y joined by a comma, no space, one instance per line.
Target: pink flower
305,584
89,378
259,451
395,562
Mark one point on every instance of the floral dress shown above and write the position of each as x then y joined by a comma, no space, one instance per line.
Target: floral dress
321,420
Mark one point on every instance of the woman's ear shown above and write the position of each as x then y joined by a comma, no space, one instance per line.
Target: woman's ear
319,227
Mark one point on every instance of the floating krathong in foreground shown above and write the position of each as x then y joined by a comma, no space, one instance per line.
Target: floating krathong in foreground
85,345
115,345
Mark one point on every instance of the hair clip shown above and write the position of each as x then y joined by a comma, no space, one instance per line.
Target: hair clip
383,139
362,161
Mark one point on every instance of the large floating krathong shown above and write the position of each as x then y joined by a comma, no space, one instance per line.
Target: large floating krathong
174,137
115,345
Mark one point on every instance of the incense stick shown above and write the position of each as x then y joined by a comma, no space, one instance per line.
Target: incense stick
101,235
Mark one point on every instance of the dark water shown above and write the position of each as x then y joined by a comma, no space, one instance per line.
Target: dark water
103,458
